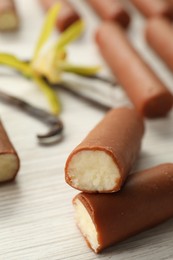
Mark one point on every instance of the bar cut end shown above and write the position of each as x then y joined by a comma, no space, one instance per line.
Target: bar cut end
86,225
9,165
8,21
159,105
93,171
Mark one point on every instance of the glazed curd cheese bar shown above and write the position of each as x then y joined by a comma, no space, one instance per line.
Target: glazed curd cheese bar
9,160
67,16
102,161
9,19
147,92
111,10
150,8
145,201
159,35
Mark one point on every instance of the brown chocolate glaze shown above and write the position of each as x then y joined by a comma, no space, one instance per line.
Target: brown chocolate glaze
145,201
159,34
111,10
119,134
67,16
6,148
171,2
151,8
148,93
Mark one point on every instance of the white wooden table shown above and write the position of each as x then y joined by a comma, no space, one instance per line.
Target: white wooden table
36,215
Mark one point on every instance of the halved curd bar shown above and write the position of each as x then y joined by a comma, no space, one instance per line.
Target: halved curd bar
9,160
102,161
145,201
9,19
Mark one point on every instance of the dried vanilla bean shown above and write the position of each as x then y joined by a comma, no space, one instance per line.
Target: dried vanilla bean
65,87
101,78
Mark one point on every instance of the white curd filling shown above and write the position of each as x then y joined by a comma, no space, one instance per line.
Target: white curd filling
8,21
93,171
8,166
86,224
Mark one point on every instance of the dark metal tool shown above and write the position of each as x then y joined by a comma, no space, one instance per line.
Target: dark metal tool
56,126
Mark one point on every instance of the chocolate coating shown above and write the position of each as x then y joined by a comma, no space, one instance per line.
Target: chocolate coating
151,8
159,34
145,201
148,93
171,2
119,135
111,10
67,16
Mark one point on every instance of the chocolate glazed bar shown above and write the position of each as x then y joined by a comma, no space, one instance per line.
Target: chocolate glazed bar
67,16
9,19
102,161
145,201
111,10
148,93
159,34
151,8
9,160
